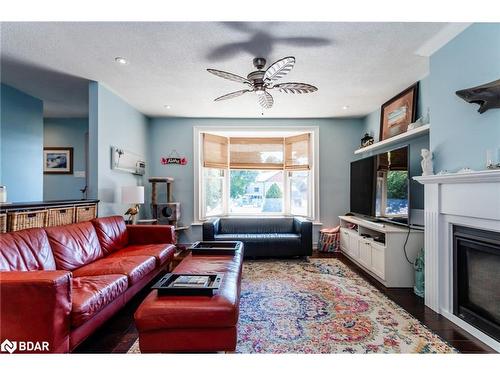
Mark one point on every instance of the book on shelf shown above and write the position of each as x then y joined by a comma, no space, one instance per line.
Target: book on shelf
187,281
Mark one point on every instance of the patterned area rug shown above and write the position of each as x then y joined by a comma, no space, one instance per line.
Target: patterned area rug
322,306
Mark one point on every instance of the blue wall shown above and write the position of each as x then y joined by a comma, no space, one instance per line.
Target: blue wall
21,145
113,122
65,132
460,135
338,139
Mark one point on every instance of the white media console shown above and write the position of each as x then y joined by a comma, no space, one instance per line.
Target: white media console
386,260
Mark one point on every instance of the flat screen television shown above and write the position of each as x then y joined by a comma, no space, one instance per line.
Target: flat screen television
380,186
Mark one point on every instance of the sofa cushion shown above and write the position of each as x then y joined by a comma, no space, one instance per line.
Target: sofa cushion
112,233
92,293
134,267
256,225
74,245
163,253
26,250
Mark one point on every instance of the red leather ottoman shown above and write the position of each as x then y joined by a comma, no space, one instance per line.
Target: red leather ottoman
170,324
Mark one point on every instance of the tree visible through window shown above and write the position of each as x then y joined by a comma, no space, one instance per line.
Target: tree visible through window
255,192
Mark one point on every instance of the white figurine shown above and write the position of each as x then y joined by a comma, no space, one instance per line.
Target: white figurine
426,163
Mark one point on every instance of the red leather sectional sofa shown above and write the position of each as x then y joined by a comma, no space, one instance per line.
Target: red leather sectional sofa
59,284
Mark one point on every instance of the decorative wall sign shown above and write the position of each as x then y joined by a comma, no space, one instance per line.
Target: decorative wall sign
58,160
397,113
173,158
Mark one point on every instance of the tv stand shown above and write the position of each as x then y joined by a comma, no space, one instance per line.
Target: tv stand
383,259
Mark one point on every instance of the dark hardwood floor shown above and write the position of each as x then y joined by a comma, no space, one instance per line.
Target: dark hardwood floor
119,333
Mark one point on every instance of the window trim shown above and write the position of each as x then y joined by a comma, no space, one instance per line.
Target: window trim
198,131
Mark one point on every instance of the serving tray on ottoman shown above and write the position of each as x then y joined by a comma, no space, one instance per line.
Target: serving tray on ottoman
166,286
215,247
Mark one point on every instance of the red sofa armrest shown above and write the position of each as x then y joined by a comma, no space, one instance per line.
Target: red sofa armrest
151,234
36,306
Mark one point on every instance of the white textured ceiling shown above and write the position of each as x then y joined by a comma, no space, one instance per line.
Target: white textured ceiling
360,65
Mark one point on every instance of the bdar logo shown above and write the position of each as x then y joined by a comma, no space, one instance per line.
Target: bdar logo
8,346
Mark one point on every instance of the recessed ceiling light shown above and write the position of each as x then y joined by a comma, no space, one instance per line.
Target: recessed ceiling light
345,107
121,60
168,106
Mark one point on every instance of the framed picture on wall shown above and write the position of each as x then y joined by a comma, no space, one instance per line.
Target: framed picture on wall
397,113
58,160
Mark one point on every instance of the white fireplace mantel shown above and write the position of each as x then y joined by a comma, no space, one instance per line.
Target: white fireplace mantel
490,175
469,199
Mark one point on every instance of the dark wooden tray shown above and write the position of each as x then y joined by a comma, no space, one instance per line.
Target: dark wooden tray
165,288
215,247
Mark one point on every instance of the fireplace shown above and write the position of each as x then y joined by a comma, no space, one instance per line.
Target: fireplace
476,278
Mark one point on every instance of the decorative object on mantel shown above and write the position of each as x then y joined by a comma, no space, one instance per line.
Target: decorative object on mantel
397,113
127,161
367,140
173,158
443,172
133,195
58,160
465,170
426,163
492,159
487,95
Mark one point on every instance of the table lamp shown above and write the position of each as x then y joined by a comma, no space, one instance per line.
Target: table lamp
133,195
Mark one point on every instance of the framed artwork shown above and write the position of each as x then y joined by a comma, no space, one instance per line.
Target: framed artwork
397,113
58,160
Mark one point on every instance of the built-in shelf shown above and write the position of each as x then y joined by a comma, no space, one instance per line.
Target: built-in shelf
414,133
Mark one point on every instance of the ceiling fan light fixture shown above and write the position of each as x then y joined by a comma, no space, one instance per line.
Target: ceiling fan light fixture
261,81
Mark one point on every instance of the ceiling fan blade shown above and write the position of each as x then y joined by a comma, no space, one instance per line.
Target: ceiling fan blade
295,88
231,95
229,76
265,99
279,69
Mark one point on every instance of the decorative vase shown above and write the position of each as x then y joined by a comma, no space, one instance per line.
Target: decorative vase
419,288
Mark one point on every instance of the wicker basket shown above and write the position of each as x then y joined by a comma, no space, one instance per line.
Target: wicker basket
61,216
27,219
3,223
85,213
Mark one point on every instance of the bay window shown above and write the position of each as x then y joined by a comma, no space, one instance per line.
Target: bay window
251,175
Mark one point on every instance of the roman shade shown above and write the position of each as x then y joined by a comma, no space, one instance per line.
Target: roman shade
297,153
271,153
215,151
256,153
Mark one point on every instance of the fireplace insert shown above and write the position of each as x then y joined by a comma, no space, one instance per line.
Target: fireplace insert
476,261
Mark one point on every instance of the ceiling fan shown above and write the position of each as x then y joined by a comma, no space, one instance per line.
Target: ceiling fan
261,81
